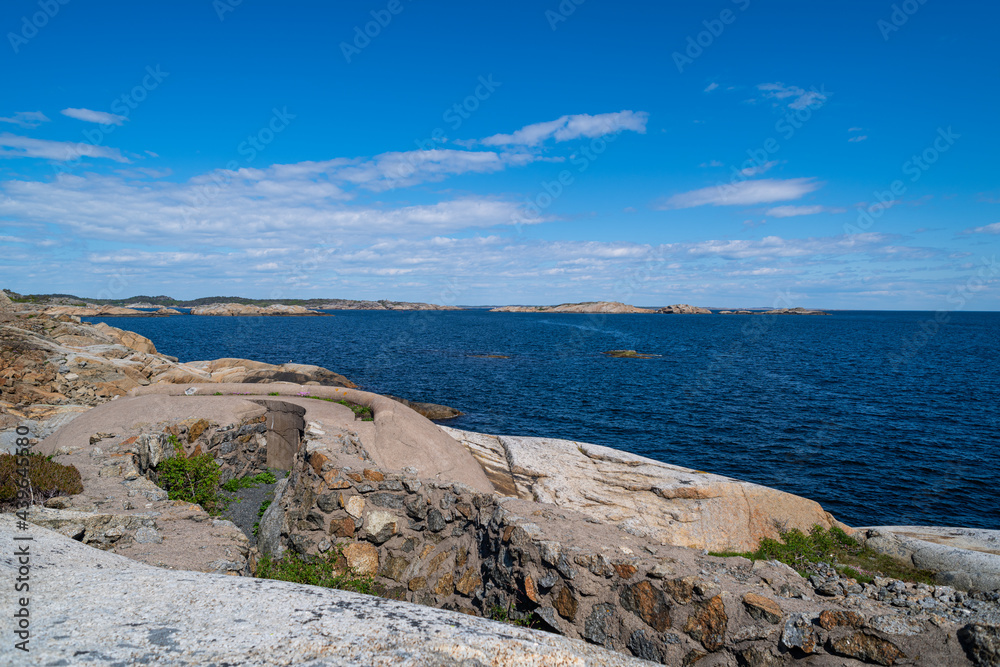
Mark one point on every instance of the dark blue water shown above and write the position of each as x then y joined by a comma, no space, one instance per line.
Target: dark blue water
882,417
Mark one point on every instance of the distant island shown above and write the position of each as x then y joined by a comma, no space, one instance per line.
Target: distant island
160,306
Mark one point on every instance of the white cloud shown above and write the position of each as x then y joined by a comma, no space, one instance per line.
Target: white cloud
91,116
759,191
860,137
801,98
986,229
710,87
12,145
792,211
566,128
712,163
26,119
756,170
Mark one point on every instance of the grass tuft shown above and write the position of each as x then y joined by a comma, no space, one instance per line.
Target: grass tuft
328,571
804,552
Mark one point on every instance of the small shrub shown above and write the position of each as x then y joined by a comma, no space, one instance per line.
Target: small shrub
260,515
48,479
193,479
328,571
273,393
249,481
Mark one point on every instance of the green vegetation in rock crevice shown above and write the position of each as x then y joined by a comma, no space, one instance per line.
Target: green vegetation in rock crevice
835,548
328,571
47,478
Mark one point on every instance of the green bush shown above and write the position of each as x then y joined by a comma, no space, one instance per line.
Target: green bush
328,571
249,481
836,548
362,412
48,479
193,479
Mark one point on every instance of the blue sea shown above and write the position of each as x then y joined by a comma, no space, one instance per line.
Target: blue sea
882,417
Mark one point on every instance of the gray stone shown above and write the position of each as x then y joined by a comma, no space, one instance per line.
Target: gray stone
981,643
391,500
435,521
643,647
597,627
147,535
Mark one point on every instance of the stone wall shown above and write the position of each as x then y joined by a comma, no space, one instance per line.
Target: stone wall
448,546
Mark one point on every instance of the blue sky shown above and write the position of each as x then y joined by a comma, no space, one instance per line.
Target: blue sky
728,153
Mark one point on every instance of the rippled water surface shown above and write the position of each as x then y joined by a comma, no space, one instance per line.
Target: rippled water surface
865,412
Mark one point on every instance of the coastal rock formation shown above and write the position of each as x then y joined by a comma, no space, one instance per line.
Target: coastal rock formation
184,618
95,311
795,311
389,496
737,312
239,309
432,411
245,370
382,304
666,503
684,309
607,307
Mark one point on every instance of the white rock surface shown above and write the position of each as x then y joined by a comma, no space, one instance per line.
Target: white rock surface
91,607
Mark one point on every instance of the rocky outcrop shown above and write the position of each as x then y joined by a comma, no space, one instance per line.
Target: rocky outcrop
795,311
95,311
185,618
606,307
243,310
737,312
432,411
247,371
382,304
6,305
665,503
684,309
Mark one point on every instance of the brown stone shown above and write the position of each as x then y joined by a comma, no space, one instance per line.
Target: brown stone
758,657
316,460
197,429
624,570
866,647
530,589
462,556
362,558
762,608
828,619
417,583
342,527
507,533
373,475
436,563
332,482
465,509
445,585
707,624
565,604
394,567
355,476
648,603
469,582
682,590
428,548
